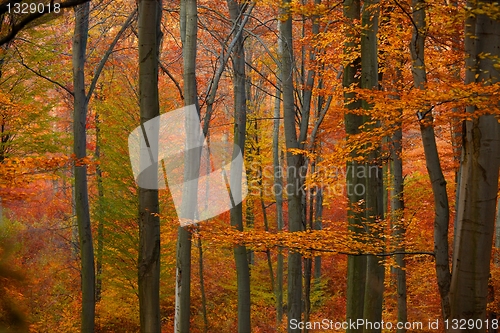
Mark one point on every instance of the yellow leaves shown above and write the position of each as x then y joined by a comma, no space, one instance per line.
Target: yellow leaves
490,9
329,241
82,161
308,9
15,173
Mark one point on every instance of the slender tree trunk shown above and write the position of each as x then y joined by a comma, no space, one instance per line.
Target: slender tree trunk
240,101
249,218
308,261
251,174
318,225
149,221
497,233
278,192
307,97
356,265
397,211
266,228
438,183
189,32
321,108
202,287
100,213
80,169
476,208
75,240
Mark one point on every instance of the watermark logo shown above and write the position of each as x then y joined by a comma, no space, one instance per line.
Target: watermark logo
204,179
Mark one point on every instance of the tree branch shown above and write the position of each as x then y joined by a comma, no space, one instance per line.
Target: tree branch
39,74
104,59
47,9
166,71
224,59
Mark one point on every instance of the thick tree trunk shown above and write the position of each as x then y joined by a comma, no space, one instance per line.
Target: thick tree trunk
438,183
189,32
476,209
294,164
374,193
240,101
356,265
80,170
149,221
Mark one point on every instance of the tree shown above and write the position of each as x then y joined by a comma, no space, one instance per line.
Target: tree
240,123
189,31
149,221
17,21
80,168
397,217
278,185
441,204
356,265
476,208
294,164
374,192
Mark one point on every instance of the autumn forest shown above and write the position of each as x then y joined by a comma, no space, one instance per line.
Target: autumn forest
249,166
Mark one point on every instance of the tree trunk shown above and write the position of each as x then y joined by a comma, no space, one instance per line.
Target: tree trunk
240,101
100,213
397,217
80,169
497,233
318,225
149,221
189,32
476,208
374,207
202,287
356,265
438,183
294,164
278,191
397,211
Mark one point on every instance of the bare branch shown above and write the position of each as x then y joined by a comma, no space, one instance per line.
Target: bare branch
100,67
39,74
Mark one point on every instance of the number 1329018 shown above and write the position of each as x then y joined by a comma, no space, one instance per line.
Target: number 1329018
464,324
32,8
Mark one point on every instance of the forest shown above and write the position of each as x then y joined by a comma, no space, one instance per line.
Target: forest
249,166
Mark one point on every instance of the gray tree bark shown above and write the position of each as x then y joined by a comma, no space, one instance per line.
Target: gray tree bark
189,32
476,208
100,215
149,221
374,205
240,114
397,212
438,183
294,164
80,170
278,189
356,265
